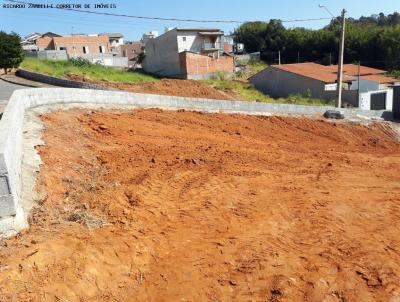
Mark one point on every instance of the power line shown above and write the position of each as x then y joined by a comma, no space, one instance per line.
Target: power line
164,19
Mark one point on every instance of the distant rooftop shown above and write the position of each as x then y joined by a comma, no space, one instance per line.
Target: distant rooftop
328,74
198,29
112,35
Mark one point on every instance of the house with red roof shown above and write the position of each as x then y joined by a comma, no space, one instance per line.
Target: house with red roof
364,87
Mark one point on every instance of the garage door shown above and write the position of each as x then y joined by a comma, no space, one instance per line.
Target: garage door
378,101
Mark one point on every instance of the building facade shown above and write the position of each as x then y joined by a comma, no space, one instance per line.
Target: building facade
187,53
76,45
115,40
131,51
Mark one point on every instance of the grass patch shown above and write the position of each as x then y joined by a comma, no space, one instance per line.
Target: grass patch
252,67
61,69
247,92
396,74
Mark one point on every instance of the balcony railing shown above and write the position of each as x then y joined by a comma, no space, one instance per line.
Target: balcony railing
212,46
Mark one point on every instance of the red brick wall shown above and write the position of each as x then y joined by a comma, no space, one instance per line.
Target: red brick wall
196,64
93,43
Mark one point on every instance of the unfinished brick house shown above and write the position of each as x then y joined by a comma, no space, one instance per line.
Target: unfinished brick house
188,53
131,50
76,45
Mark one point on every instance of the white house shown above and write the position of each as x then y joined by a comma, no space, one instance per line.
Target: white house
28,43
115,40
191,53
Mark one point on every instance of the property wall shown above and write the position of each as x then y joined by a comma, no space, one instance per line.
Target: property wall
42,78
162,56
196,66
106,60
56,55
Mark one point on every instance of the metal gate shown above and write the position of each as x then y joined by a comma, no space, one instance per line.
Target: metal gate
378,101
396,102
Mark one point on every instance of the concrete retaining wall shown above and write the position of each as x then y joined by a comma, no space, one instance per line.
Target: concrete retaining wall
56,55
39,77
12,218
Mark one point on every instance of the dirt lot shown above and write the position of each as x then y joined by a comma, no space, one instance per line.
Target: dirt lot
187,88
148,205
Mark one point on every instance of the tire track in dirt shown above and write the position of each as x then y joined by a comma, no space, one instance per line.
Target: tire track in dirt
209,207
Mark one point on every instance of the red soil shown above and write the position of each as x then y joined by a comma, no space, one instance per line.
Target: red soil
186,88
148,205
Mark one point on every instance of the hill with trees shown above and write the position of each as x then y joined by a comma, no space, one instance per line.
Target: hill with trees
374,40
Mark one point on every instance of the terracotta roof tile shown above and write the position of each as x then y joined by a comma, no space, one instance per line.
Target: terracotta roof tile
352,69
381,79
328,74
311,70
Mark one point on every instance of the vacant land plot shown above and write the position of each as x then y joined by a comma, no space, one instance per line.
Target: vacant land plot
148,205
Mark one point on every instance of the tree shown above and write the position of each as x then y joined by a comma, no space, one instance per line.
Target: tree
374,40
11,52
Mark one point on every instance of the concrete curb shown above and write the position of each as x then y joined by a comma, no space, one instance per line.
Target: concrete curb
16,83
6,79
42,78
11,128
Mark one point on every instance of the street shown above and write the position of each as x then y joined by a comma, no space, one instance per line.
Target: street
7,89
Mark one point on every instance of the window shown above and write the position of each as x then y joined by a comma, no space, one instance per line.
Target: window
184,39
102,49
85,49
63,48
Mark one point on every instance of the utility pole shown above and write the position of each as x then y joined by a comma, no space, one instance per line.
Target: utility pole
340,62
279,57
358,85
298,57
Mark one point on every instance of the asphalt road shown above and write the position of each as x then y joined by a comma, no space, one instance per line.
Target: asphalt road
6,90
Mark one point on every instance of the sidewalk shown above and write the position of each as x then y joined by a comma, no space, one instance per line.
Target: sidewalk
12,78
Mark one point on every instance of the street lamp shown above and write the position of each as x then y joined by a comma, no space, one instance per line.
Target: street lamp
324,7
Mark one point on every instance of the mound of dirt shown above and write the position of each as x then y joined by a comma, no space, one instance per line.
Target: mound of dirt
186,88
150,205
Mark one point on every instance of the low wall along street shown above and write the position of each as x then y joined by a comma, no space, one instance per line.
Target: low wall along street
12,216
42,78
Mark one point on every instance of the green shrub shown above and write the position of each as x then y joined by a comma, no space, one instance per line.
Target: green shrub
80,62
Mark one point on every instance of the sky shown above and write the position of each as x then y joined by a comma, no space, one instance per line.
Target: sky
25,21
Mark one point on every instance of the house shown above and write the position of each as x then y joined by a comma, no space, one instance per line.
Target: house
149,35
231,47
130,50
28,43
94,48
188,53
115,40
284,80
76,45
